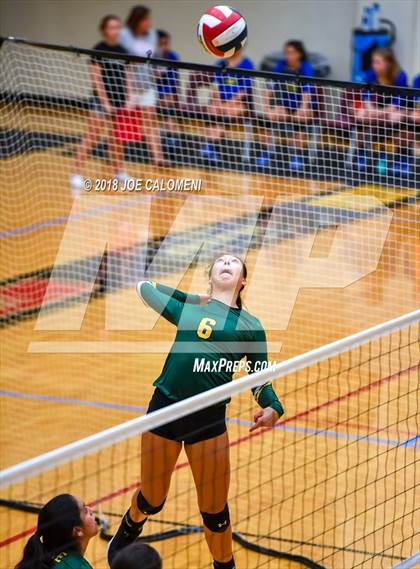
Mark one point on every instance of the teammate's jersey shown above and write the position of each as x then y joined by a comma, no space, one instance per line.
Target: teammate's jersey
70,561
210,338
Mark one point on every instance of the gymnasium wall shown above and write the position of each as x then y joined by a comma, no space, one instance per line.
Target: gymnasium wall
324,25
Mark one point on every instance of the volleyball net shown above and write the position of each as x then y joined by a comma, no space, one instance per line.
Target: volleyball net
332,485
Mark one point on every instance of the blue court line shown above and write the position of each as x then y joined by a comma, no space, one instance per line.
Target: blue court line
65,400
61,220
413,442
343,213
410,443
326,432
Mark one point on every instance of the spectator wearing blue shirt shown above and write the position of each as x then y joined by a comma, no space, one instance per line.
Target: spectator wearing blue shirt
232,93
284,99
168,79
231,97
385,71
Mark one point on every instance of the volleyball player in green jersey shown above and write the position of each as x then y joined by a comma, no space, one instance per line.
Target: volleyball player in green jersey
65,526
211,331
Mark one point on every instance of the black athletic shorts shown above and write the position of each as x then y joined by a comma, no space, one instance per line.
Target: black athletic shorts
200,426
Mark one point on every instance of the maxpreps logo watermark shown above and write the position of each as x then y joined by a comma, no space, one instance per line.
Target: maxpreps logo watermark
204,365
105,247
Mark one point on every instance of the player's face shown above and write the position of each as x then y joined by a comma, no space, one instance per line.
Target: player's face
89,525
112,31
227,272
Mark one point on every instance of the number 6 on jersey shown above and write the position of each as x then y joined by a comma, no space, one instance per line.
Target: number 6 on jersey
205,329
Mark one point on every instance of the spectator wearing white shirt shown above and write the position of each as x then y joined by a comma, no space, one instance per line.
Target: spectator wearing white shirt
140,39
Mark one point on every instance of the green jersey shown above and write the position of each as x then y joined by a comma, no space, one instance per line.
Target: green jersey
70,561
211,339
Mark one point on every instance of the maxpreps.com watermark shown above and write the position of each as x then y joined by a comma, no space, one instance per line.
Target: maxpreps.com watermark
130,185
203,365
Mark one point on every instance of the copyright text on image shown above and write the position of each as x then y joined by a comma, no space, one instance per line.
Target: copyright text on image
143,185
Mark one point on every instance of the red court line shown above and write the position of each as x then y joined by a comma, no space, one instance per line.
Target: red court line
238,441
17,536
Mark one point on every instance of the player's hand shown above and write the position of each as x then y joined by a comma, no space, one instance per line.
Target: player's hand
267,417
204,298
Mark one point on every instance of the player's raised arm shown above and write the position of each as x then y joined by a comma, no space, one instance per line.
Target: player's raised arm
166,300
168,306
178,294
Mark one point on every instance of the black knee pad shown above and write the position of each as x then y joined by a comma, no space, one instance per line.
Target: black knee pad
219,522
146,508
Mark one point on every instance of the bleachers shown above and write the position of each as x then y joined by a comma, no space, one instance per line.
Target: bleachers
334,136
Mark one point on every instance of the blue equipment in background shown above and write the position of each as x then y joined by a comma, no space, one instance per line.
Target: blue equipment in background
374,33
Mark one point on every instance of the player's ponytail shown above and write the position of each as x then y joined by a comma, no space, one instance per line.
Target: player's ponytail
54,534
34,555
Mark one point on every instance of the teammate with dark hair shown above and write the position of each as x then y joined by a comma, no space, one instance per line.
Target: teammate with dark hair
65,526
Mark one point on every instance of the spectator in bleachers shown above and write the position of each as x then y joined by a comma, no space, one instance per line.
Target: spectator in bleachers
285,100
139,38
167,78
111,86
65,527
232,96
416,111
385,71
138,555
386,108
164,46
